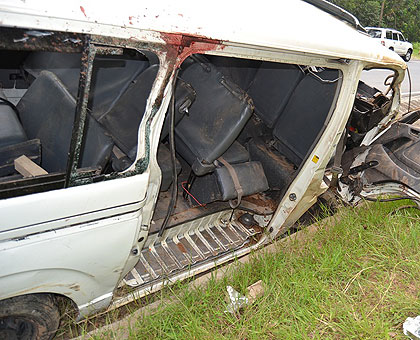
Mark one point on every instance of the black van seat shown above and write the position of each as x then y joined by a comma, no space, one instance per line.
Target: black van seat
240,71
123,119
216,118
13,140
47,111
271,89
11,131
304,115
278,170
111,76
219,185
206,138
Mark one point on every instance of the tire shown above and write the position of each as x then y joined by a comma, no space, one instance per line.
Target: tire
407,56
29,317
391,48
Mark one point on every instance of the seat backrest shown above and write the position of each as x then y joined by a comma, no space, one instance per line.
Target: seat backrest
241,71
47,111
219,113
271,89
305,113
11,131
123,119
111,75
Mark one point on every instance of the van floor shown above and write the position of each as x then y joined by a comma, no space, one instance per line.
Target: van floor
260,203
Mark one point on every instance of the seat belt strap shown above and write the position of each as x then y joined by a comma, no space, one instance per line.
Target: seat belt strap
236,183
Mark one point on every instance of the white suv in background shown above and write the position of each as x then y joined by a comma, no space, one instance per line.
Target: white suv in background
392,39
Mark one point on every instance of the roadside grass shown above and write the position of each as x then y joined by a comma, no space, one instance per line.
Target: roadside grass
416,48
355,278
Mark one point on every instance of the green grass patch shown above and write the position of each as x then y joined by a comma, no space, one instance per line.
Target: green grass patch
357,278
416,48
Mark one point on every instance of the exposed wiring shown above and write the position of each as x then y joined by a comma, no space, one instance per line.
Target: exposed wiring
326,81
174,192
240,207
308,68
191,195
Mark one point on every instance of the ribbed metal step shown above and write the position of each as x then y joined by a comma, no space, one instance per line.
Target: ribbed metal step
200,241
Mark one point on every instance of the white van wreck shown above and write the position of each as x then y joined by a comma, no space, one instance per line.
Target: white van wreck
142,144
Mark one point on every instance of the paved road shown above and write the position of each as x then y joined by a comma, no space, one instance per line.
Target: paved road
376,78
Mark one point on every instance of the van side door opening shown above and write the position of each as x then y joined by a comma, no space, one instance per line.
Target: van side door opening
254,120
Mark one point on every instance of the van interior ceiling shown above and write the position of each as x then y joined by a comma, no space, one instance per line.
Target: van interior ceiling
242,127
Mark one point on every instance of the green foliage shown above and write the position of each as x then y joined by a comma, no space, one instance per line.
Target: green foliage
416,50
355,278
403,15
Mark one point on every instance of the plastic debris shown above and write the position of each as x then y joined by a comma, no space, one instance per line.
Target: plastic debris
411,328
237,301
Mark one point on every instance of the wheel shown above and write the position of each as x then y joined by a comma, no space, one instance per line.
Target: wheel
29,317
407,56
391,48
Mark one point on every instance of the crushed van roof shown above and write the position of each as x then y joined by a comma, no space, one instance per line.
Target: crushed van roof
287,24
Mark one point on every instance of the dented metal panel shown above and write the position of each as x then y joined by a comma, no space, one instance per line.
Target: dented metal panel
100,231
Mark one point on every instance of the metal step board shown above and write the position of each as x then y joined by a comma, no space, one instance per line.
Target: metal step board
200,241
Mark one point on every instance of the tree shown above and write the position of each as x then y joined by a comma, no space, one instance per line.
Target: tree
403,15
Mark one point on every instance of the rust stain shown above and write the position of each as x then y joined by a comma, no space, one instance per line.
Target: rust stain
130,19
181,15
261,201
181,247
257,228
388,60
83,11
288,210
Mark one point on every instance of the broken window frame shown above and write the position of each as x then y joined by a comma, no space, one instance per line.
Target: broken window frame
111,46
89,45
